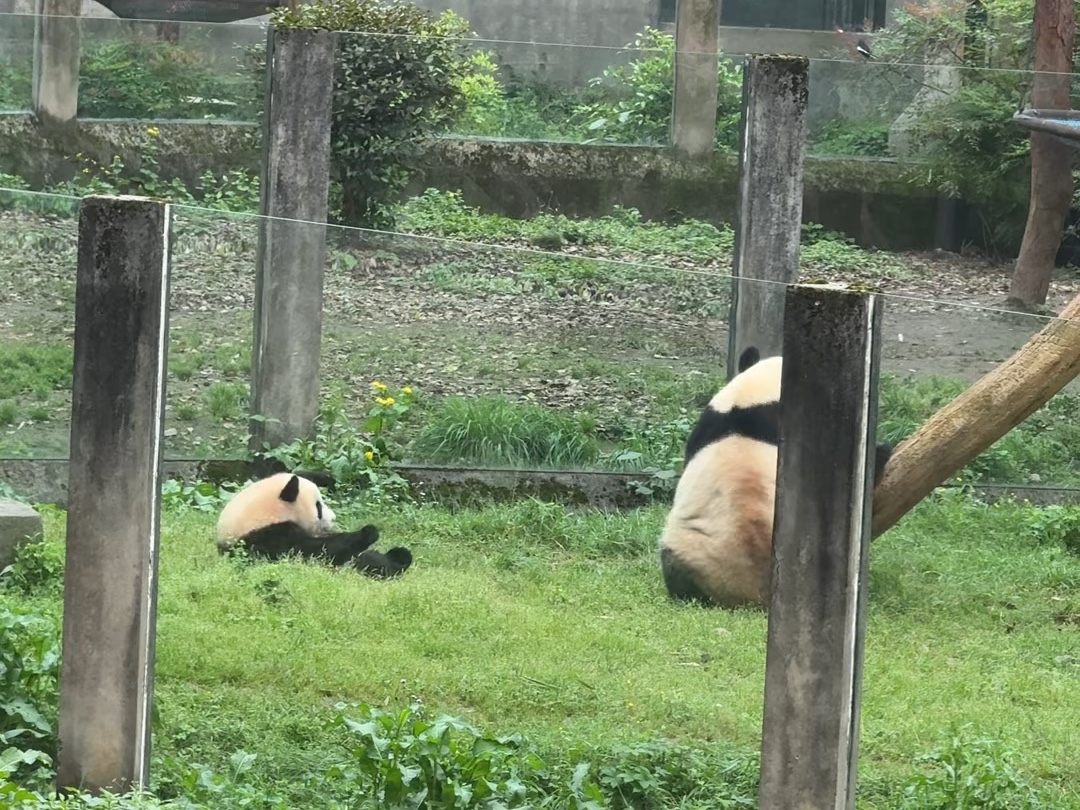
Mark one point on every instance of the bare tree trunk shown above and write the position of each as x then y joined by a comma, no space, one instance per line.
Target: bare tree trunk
1051,159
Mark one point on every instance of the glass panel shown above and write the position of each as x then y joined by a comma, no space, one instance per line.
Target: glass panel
39,237
16,62
151,71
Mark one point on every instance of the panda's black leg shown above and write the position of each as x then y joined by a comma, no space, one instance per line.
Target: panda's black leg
383,565
341,547
281,539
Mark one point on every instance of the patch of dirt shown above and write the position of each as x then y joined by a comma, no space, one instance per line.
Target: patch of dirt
635,337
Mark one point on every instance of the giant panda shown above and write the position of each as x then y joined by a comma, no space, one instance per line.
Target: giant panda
284,513
716,545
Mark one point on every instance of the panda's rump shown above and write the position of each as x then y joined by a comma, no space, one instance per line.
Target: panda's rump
720,527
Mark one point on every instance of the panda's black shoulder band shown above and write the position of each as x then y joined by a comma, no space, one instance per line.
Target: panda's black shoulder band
758,422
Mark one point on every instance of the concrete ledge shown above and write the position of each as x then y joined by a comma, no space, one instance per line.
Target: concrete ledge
19,524
45,481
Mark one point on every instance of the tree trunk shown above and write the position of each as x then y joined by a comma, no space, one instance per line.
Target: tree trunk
980,416
1051,158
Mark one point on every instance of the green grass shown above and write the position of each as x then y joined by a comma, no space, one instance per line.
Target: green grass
498,431
535,619
34,369
444,214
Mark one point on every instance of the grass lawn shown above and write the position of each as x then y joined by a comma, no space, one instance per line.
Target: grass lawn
530,618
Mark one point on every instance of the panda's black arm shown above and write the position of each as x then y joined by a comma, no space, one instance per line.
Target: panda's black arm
281,539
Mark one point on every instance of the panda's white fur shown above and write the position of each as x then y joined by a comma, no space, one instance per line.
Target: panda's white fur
717,540
285,514
716,545
261,504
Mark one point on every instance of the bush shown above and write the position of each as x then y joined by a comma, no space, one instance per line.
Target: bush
398,80
29,668
149,80
967,141
644,91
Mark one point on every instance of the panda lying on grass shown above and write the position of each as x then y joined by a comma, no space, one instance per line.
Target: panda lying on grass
285,514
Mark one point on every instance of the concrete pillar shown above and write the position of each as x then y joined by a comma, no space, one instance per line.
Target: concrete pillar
696,64
817,606
768,216
114,494
56,61
19,524
292,241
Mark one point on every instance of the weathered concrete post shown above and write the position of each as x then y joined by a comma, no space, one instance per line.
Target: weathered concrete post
114,493
813,666
693,117
56,61
292,237
768,216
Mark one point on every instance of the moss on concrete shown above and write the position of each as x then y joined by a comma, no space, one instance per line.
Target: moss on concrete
44,155
517,178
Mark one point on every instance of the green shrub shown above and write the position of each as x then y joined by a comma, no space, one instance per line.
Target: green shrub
643,92
968,773
854,138
398,80
967,141
16,91
355,457
29,668
140,79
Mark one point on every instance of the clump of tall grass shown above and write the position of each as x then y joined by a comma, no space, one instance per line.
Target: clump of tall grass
496,431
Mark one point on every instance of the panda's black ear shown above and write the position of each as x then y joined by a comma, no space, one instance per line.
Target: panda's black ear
749,356
291,490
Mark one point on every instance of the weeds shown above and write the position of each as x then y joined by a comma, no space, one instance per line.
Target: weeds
356,457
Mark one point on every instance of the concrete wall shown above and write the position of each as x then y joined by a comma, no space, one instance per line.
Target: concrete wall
868,199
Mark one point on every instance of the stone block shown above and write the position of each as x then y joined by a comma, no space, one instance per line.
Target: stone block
19,523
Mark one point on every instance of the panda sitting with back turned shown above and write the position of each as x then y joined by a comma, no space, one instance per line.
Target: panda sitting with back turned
716,545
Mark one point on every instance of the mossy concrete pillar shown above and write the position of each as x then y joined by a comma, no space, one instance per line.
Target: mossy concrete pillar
56,61
292,237
697,28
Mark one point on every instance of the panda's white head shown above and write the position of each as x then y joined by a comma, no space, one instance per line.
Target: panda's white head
280,498
757,383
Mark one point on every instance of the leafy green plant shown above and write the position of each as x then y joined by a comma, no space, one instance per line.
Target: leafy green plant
966,140
16,87
355,457
29,668
237,190
226,401
398,80
1057,523
855,138
37,565
144,79
643,96
495,430
969,773
408,759
201,496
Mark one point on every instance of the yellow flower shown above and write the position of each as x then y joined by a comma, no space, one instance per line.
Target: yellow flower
370,457
388,402
378,386
407,391
153,132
